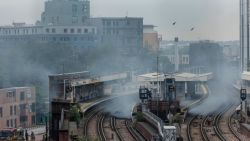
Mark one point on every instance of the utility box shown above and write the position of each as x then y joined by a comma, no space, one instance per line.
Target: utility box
169,133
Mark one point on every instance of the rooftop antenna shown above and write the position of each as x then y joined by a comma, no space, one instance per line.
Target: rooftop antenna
157,77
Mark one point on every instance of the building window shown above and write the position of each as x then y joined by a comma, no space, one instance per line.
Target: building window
11,94
74,20
85,30
128,22
108,23
23,119
83,19
11,123
33,107
1,112
11,110
83,8
74,10
7,123
65,30
53,30
15,123
79,30
72,30
22,96
47,30
15,110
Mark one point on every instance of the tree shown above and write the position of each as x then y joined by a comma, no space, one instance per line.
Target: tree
75,114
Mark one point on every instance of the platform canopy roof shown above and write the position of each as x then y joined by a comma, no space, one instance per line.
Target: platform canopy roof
245,75
151,77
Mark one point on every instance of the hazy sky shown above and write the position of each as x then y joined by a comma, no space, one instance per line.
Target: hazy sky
212,19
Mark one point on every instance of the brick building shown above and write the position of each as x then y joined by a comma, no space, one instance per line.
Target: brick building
17,107
151,38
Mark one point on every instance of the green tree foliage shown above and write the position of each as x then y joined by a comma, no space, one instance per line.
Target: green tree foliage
177,118
75,114
139,116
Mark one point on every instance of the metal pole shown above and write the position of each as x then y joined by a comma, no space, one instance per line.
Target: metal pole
158,85
247,6
242,35
64,87
46,130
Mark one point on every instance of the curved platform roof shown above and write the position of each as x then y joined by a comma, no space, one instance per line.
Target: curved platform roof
181,77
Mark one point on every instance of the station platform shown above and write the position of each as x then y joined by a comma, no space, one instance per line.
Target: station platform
89,103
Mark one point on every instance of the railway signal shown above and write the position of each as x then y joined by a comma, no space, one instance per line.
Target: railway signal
243,94
144,93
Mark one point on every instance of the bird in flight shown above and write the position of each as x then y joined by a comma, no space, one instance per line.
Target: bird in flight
192,29
174,23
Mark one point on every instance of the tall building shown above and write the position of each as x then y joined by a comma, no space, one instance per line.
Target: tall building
150,38
80,36
245,55
122,32
244,35
207,55
68,22
65,12
245,42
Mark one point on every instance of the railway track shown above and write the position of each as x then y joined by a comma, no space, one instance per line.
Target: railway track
195,130
90,126
105,127
90,116
124,131
203,130
100,128
133,132
224,122
216,127
229,124
220,129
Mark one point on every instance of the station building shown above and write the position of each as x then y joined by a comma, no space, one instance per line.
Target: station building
69,89
17,107
168,89
185,83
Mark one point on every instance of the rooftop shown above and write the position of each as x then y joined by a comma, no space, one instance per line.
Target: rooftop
65,74
11,88
178,77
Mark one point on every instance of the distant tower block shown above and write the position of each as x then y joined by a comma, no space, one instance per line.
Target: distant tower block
176,39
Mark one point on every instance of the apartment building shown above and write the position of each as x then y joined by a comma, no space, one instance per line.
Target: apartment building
17,107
